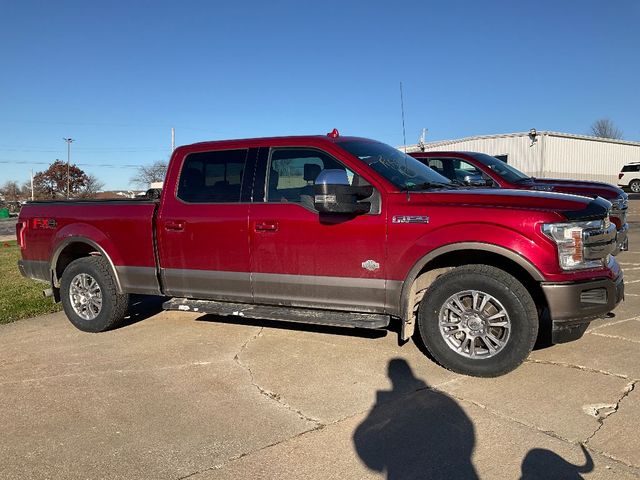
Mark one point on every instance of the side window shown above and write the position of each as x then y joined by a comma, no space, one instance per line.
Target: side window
292,173
212,177
436,164
444,166
466,172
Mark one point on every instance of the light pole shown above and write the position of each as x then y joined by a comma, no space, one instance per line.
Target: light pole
69,142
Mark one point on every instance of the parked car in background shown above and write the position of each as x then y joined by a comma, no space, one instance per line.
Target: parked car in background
629,177
499,174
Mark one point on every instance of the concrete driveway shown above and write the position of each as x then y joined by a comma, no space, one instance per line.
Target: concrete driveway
174,396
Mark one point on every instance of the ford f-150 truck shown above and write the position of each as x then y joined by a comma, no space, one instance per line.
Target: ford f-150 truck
480,169
340,231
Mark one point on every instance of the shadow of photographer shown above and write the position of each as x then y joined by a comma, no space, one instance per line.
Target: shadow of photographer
414,432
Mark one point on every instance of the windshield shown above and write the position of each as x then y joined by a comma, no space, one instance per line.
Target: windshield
506,171
403,171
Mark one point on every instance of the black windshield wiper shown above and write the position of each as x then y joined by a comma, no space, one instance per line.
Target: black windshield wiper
429,185
524,180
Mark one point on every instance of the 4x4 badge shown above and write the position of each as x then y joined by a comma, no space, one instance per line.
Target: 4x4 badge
371,265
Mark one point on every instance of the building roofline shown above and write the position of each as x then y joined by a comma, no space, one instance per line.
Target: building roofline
442,143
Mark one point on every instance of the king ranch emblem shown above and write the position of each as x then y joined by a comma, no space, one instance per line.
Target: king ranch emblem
370,265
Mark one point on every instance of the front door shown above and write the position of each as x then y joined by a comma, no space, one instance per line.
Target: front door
202,230
302,258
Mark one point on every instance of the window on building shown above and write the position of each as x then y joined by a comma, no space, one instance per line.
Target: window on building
212,177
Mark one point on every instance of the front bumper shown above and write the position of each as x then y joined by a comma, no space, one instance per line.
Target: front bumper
573,305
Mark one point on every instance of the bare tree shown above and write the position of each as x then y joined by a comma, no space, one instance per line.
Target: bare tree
11,191
146,174
605,128
91,187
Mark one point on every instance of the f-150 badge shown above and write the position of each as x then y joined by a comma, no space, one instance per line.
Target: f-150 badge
410,219
370,265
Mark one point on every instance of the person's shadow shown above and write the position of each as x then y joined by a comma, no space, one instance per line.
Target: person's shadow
414,432
542,464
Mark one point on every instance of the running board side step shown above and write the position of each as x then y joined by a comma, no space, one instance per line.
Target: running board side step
285,314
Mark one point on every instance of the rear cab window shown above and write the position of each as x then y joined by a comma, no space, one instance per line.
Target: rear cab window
212,177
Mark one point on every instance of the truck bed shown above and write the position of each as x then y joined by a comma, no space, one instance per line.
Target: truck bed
49,230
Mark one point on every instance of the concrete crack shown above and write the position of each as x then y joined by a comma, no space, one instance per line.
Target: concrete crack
614,336
603,411
319,426
611,324
577,367
267,393
507,417
105,372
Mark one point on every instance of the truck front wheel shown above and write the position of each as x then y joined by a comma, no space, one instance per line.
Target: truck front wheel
89,295
478,320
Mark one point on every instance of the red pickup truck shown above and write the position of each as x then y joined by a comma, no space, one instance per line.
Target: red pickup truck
480,169
340,231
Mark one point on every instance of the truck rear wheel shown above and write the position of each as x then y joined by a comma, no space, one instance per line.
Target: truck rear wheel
89,295
478,320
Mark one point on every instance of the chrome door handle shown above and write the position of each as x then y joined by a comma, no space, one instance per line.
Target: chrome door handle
268,226
175,226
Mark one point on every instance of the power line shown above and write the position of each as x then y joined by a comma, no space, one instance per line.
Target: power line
102,165
84,149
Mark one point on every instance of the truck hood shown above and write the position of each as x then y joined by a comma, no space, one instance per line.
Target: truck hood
573,207
576,187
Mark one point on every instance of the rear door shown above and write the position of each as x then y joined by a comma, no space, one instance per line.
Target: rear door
202,227
302,258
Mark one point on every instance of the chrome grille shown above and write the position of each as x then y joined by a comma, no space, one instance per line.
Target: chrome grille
598,243
619,209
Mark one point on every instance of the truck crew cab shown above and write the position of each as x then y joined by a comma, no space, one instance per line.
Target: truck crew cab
340,231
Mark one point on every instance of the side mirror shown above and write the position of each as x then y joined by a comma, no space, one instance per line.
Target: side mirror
333,194
474,181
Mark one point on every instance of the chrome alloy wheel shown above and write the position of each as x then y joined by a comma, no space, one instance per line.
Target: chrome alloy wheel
85,296
474,324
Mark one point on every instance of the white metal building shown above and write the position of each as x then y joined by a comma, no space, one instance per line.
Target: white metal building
550,154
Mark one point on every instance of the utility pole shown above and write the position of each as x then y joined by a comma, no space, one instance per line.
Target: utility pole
173,139
32,185
421,141
69,141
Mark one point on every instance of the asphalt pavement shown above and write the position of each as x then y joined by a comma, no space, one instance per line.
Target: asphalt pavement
8,229
176,395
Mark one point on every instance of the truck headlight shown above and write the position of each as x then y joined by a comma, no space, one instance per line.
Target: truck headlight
569,238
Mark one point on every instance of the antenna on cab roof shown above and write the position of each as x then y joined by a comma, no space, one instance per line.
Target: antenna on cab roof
404,139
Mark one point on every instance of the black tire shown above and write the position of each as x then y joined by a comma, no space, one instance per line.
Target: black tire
634,186
517,336
113,306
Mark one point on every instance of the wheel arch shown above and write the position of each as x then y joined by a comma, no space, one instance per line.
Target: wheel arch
447,257
72,248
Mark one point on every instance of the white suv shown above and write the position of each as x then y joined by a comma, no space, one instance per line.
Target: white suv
629,177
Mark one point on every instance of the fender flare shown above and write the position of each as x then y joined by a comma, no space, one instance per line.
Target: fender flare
403,302
78,239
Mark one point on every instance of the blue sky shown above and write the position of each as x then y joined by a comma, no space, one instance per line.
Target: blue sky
116,76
